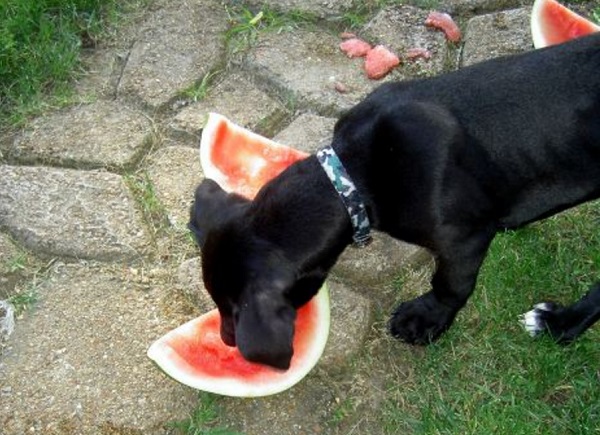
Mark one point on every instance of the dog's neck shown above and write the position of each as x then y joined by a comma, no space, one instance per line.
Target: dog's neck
348,193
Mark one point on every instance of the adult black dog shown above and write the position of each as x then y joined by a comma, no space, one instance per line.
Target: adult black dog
444,163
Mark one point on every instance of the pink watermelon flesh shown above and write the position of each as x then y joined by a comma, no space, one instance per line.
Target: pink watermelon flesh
552,23
444,22
240,160
195,355
379,62
355,47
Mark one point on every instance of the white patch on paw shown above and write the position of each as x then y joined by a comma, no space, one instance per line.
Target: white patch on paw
532,321
543,306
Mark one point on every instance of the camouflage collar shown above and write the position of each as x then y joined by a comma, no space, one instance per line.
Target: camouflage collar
348,193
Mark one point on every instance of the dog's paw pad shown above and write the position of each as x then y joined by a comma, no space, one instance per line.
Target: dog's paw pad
533,321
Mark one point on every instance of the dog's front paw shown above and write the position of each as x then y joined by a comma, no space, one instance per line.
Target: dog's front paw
534,321
548,318
421,320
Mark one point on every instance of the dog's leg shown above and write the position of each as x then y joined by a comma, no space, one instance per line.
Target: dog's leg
424,319
564,324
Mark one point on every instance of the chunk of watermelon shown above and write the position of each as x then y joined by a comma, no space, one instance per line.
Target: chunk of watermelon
355,47
379,62
553,23
240,160
195,355
444,22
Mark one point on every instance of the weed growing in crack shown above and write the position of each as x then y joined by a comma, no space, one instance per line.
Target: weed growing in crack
199,91
246,25
153,211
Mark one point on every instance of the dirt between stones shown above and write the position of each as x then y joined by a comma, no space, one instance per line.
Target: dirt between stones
94,201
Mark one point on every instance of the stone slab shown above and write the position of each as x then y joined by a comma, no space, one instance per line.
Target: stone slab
189,283
177,46
307,132
77,362
308,66
401,28
318,8
101,72
64,212
497,34
472,7
238,99
376,265
351,319
304,66
103,134
8,253
175,172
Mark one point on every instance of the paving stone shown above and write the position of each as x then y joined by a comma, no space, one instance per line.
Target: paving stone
178,45
319,8
304,66
351,318
379,263
8,252
189,283
175,172
77,362
64,212
310,66
238,99
307,132
471,7
497,34
402,28
103,68
101,134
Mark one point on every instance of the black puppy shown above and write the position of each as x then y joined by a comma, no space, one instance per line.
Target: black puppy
444,163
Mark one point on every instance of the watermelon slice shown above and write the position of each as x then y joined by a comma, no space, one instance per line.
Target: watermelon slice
553,23
195,355
239,160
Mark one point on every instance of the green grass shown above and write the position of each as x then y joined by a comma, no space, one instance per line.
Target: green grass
152,208
40,46
246,24
203,420
198,91
486,375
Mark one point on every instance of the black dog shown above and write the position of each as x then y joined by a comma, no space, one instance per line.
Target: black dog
444,163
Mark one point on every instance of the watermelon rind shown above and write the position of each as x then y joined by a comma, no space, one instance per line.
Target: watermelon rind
174,366
541,30
208,141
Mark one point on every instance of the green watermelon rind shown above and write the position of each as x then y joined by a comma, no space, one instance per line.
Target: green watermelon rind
164,356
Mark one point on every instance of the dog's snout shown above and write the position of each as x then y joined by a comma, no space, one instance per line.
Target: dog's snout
279,360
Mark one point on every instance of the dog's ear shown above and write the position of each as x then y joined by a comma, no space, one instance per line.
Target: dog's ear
265,318
212,206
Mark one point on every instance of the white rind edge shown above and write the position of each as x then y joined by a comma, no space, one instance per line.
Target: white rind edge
536,28
160,354
208,139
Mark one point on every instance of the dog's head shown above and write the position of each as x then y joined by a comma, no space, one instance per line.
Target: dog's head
256,287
